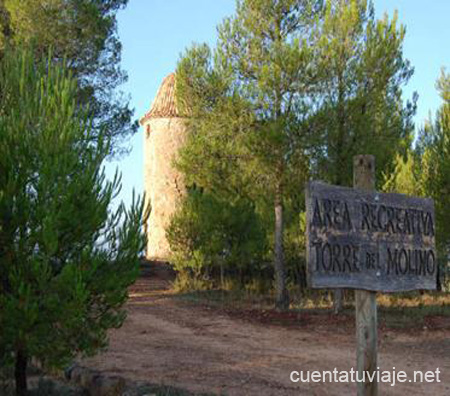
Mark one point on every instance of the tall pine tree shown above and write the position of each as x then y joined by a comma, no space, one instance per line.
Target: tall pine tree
66,258
362,74
248,104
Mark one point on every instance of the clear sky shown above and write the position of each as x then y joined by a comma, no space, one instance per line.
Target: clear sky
155,32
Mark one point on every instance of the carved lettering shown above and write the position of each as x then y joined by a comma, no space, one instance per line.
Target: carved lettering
331,214
369,240
336,258
413,262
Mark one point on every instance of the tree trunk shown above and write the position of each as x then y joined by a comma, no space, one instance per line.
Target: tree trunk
20,373
338,301
282,296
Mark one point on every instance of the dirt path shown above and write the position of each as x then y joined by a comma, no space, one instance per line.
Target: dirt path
167,341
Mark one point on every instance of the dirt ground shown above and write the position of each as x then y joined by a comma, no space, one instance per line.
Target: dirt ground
169,341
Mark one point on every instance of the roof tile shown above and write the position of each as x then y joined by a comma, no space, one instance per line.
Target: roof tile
164,104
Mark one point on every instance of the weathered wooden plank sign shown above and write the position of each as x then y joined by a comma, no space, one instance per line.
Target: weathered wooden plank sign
369,240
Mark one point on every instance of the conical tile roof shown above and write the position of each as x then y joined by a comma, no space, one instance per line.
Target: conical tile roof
164,105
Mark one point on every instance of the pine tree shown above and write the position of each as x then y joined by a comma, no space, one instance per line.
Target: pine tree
360,108
362,74
66,259
84,34
248,103
434,147
293,90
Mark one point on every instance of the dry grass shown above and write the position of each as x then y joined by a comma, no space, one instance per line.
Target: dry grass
414,299
396,311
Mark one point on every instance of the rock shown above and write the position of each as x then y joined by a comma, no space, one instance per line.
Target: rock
52,387
103,385
68,370
81,376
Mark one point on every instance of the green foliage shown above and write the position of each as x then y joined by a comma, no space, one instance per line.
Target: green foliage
208,235
248,100
434,148
84,33
360,107
66,258
292,90
406,176
264,51
218,121
426,170
434,144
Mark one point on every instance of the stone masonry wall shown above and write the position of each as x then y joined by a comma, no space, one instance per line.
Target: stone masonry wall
163,184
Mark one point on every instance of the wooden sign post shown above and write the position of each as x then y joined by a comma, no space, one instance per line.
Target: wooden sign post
365,301
369,241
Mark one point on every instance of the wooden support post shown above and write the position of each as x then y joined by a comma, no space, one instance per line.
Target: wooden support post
365,301
338,304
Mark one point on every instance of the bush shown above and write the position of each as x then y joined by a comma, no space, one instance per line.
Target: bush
212,239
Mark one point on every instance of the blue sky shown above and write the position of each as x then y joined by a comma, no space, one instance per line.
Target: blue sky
155,32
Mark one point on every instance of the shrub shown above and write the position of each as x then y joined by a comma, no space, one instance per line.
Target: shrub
211,238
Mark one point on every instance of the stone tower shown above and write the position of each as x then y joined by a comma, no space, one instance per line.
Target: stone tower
164,133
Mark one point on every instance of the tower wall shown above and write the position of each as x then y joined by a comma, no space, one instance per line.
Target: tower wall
164,185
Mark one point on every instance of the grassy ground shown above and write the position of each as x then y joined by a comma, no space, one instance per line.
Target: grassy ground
396,311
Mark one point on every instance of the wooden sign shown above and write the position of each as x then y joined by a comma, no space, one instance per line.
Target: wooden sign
368,240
